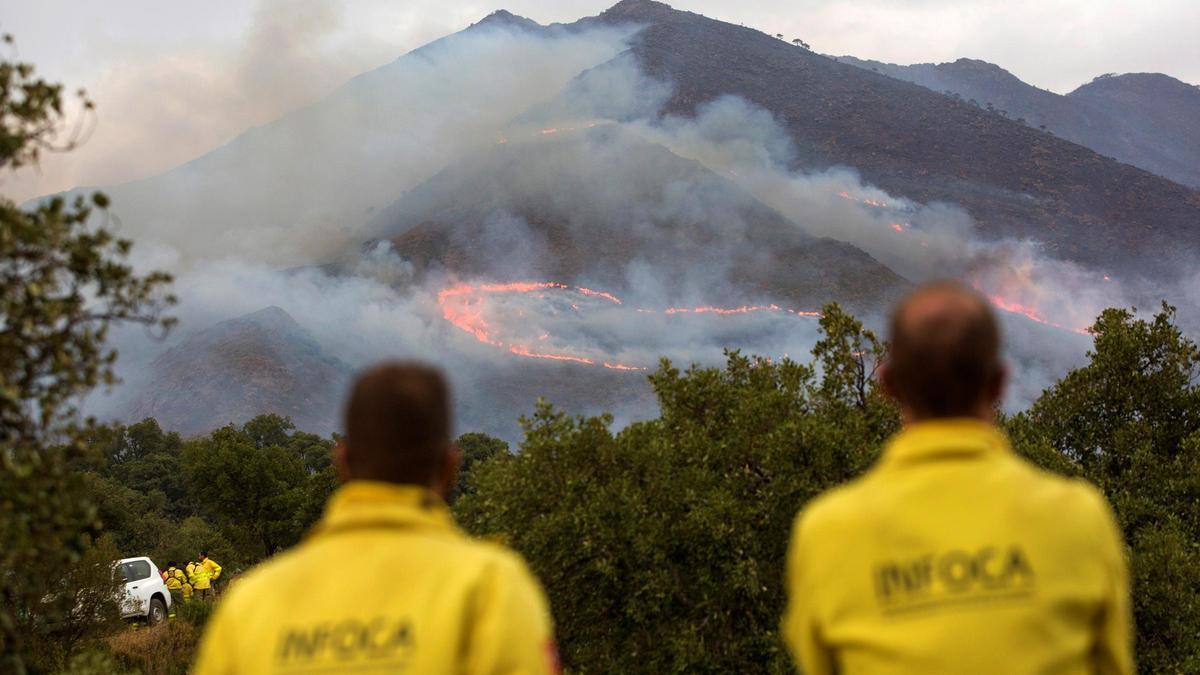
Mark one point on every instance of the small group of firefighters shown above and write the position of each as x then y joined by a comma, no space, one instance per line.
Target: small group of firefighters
198,579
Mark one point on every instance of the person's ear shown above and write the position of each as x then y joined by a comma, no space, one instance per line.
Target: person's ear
451,466
340,455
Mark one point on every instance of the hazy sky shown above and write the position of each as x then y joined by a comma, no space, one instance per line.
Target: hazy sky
174,79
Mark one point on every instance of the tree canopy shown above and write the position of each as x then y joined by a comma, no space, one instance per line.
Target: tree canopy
1129,421
64,281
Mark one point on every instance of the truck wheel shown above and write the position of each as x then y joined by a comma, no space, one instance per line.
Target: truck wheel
158,612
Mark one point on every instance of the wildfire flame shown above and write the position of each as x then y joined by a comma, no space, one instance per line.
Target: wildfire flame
863,200
464,306
1030,313
599,294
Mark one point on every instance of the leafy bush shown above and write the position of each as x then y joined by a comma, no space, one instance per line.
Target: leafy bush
1129,421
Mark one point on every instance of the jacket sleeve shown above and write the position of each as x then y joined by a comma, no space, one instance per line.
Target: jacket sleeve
1114,642
213,567
511,633
801,631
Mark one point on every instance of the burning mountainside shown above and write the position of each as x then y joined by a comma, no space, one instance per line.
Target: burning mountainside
601,204
527,318
695,187
486,312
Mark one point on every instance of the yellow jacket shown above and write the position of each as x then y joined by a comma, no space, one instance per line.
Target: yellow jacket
174,578
953,555
203,572
385,582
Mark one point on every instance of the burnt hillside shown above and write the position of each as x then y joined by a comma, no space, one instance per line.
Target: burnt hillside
263,362
1016,181
584,207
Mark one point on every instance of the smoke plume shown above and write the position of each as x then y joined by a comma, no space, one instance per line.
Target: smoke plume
254,223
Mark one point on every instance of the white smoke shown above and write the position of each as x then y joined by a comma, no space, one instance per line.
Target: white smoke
319,177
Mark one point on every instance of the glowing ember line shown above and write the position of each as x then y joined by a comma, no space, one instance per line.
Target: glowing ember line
525,351
599,294
1030,313
724,311
463,307
863,200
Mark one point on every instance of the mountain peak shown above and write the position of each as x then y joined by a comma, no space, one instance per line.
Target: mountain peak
271,316
503,17
980,68
638,10
261,362
1146,84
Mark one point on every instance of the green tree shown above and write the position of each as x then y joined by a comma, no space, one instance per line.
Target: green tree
261,484
63,282
144,458
1129,421
194,534
662,546
476,448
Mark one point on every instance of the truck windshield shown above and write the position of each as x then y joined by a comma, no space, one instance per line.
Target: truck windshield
135,570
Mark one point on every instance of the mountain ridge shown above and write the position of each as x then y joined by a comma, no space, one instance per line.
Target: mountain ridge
1143,119
1016,182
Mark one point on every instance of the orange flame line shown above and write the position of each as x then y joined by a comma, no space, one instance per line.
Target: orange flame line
1030,313
462,307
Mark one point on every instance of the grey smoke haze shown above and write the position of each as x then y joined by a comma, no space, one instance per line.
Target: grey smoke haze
318,178
177,78
298,190
174,79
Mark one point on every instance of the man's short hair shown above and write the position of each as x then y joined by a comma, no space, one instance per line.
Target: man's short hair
945,350
398,424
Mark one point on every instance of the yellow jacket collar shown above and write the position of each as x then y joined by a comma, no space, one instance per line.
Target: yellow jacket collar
364,504
955,436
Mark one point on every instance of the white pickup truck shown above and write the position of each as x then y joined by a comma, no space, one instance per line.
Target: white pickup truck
145,595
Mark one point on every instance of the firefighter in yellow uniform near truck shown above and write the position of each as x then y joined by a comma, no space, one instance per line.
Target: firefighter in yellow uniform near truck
953,554
385,581
176,581
203,574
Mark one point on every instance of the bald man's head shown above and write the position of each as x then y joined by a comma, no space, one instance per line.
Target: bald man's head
945,353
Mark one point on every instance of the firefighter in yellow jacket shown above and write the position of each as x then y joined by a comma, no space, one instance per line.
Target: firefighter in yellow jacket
952,554
207,572
176,582
385,582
